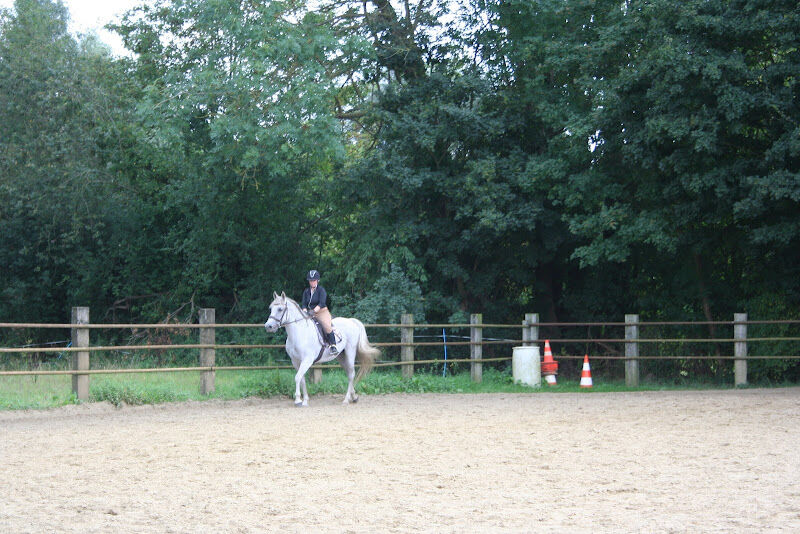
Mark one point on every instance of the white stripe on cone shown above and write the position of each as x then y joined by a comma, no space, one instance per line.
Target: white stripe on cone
586,373
548,358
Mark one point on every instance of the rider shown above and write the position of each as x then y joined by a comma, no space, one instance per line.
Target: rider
315,302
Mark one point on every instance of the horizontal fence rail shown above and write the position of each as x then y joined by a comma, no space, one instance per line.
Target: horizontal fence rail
79,348
144,326
120,348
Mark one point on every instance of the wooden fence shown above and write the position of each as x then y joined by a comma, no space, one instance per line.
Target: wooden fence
80,347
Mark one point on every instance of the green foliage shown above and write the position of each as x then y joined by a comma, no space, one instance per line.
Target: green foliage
55,196
236,124
392,295
275,383
658,119
771,371
579,159
133,392
35,392
681,127
17,393
439,204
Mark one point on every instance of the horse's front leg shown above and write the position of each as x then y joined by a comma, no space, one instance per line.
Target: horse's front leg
300,381
305,391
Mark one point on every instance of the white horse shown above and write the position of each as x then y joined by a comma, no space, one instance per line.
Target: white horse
304,345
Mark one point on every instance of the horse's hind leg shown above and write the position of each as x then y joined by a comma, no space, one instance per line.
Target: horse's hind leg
350,369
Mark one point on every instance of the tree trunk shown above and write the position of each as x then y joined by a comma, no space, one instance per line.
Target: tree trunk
712,330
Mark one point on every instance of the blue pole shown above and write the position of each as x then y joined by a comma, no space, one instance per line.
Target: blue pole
444,367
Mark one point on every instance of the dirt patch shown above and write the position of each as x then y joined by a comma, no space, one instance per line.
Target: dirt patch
715,461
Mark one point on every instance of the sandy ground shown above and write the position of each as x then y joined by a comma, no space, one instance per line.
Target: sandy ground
718,461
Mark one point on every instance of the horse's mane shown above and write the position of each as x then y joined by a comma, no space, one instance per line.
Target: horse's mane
288,300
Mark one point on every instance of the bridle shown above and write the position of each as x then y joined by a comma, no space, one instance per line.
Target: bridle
280,320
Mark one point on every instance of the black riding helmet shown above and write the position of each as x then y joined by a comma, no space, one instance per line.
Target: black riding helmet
313,274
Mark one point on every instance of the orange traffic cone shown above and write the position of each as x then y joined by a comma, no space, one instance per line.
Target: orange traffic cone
586,373
549,366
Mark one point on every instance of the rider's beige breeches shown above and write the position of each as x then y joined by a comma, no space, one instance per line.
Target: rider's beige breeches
324,318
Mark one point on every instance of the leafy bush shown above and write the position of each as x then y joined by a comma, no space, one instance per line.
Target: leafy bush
771,371
273,383
133,393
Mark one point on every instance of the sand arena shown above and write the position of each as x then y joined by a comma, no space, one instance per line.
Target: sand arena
697,461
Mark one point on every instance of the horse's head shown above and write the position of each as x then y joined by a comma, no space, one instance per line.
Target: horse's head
278,312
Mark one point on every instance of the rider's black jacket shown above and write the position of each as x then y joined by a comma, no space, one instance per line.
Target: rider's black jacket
320,298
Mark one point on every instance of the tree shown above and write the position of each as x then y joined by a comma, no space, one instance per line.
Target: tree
658,120
691,124
443,195
55,196
237,126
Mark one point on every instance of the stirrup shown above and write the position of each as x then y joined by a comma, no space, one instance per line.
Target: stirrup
334,350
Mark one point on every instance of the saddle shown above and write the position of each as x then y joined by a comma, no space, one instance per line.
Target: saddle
322,338
321,333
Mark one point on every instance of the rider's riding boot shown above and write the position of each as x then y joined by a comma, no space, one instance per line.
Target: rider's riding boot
332,341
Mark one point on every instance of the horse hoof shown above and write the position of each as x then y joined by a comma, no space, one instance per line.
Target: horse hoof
298,404
355,400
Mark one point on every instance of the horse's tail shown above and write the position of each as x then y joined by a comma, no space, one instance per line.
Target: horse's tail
365,352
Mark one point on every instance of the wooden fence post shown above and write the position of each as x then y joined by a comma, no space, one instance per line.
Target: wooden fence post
80,359
208,336
740,349
530,332
407,351
632,351
533,326
476,346
526,336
